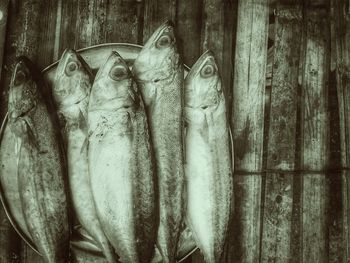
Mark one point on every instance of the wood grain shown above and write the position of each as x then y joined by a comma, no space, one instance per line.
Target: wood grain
124,21
4,6
248,125
278,205
315,135
341,33
189,26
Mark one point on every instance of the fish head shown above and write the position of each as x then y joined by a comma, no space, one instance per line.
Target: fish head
73,78
113,86
23,91
203,90
159,58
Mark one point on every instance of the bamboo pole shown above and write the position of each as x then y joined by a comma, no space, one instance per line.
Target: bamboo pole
248,126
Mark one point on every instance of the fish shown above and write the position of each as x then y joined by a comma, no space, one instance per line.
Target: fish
121,163
71,90
40,162
208,168
159,73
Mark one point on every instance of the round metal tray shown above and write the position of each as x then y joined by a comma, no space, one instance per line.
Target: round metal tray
81,242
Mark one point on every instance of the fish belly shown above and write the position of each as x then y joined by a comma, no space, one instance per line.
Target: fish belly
112,187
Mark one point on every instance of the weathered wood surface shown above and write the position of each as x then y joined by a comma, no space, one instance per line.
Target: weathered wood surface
315,135
248,126
341,33
4,6
281,144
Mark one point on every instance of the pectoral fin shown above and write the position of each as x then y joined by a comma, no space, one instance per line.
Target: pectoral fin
31,133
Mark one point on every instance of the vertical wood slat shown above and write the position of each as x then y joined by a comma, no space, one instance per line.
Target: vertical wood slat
4,6
248,125
276,230
315,135
341,26
189,24
124,21
90,25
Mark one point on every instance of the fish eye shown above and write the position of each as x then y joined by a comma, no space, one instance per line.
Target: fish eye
118,73
20,78
164,41
71,67
207,71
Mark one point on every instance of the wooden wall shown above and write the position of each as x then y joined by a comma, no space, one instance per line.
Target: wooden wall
286,71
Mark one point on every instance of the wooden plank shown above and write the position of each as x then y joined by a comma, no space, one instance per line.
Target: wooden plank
155,13
341,33
69,17
91,23
9,241
28,255
278,205
124,21
4,6
315,135
189,26
248,125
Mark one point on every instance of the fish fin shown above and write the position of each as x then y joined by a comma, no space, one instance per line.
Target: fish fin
18,144
32,135
85,145
82,121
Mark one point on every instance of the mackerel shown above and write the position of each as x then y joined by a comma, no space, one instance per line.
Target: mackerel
160,73
40,163
208,158
120,163
71,91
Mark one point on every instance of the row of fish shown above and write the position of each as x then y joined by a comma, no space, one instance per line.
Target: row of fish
146,150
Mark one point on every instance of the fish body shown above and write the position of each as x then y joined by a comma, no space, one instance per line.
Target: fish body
40,164
9,179
71,91
159,73
208,158
120,162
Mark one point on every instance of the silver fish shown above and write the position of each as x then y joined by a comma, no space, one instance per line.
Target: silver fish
120,162
208,158
71,91
40,163
159,73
